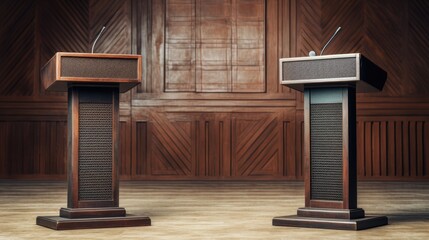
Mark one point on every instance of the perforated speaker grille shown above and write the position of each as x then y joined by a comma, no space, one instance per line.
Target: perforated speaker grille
99,67
326,151
318,69
95,151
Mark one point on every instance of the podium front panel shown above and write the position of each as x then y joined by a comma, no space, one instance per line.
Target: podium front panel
95,145
326,153
329,131
94,148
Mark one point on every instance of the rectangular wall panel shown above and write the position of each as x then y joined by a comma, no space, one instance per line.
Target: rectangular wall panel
215,46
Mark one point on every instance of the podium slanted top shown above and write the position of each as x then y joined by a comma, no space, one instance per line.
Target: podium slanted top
65,68
332,70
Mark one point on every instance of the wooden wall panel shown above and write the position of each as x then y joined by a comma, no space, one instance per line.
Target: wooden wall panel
116,37
140,150
418,47
171,145
299,147
63,27
213,147
392,149
17,52
309,29
180,46
256,144
125,163
33,122
217,145
210,105
215,46
116,17
390,33
33,149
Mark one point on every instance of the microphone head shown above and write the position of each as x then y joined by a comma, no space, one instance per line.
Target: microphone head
312,53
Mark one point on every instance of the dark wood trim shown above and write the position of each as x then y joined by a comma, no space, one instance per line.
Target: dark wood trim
326,204
307,152
73,148
115,146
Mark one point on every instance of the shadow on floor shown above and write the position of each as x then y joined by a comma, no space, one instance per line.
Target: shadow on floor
408,217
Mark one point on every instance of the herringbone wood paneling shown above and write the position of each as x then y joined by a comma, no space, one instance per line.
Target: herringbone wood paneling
385,42
309,28
171,145
391,33
116,16
17,48
349,15
63,27
256,144
418,48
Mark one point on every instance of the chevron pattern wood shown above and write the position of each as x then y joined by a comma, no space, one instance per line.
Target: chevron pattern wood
309,30
418,48
385,42
390,33
116,16
349,15
171,146
63,28
17,53
255,145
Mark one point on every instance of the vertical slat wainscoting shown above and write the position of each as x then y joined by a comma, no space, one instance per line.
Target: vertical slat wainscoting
393,149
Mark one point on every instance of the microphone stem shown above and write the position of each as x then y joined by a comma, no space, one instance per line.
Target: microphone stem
96,39
323,49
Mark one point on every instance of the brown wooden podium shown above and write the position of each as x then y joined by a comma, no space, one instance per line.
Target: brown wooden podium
330,84
93,83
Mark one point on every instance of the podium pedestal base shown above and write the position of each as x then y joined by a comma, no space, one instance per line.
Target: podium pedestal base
331,223
61,223
83,218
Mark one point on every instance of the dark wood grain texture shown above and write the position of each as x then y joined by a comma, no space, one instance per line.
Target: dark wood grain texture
184,75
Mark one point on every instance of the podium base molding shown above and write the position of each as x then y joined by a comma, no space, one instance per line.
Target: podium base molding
331,223
61,223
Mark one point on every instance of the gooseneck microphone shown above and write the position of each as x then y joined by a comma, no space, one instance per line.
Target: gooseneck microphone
96,39
313,53
323,49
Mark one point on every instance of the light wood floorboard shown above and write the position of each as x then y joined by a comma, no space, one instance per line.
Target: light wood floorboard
214,210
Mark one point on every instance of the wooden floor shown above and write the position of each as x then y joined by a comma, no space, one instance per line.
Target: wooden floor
214,210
